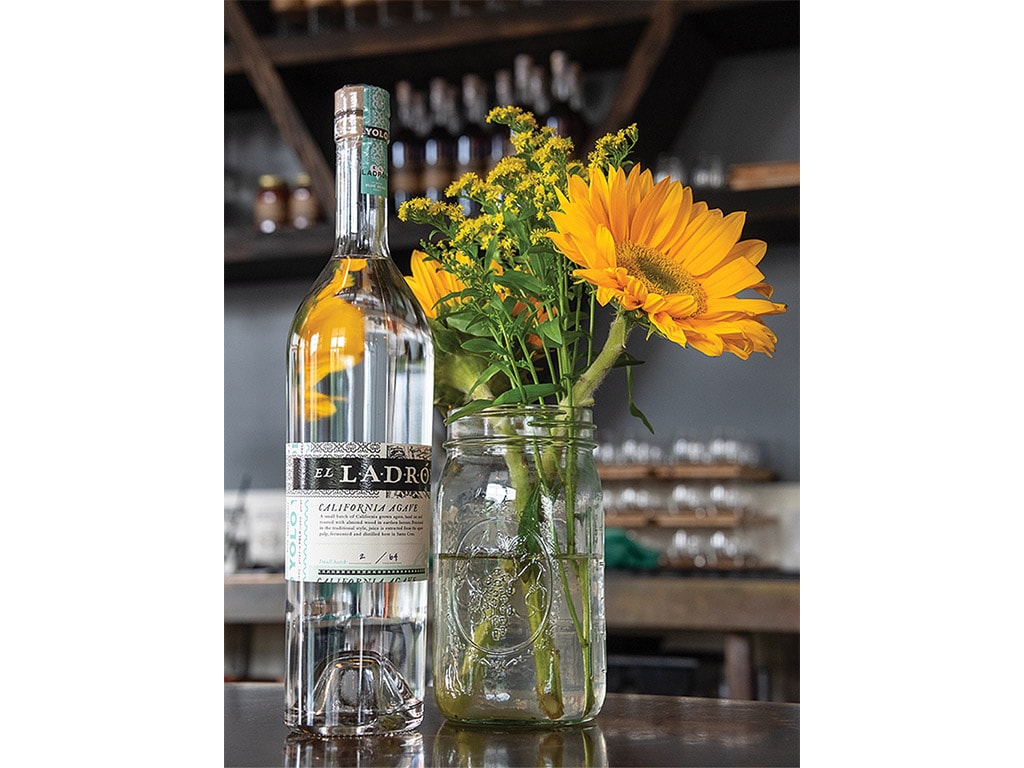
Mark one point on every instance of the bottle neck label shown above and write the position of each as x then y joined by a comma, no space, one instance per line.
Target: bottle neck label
357,511
374,147
373,169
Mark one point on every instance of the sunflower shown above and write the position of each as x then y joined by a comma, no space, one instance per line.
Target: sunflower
430,283
653,250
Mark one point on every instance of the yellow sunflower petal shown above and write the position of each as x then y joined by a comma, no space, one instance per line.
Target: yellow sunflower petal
715,243
618,215
730,278
598,196
751,250
750,307
645,216
430,283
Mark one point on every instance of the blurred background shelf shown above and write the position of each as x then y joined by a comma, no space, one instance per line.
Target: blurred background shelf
747,629
772,215
645,61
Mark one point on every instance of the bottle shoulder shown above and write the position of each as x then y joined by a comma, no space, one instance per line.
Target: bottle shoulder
373,286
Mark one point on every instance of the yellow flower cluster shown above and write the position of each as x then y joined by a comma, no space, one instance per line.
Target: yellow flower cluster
610,150
552,234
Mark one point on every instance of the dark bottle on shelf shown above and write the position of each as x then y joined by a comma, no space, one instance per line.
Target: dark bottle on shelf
360,14
539,95
504,96
303,206
324,16
439,144
406,146
290,17
473,145
565,115
522,74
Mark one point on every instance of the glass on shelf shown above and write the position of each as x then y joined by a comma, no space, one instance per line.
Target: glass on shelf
669,167
689,449
708,171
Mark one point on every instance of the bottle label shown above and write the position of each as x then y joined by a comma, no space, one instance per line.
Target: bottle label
374,152
357,511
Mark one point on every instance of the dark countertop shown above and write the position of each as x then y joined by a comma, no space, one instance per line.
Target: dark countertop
631,730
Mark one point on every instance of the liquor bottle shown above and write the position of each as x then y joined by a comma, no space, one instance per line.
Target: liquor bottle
439,143
406,147
303,206
539,94
566,97
522,70
357,462
325,16
473,145
504,96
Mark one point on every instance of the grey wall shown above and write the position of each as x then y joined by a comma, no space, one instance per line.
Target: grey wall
749,112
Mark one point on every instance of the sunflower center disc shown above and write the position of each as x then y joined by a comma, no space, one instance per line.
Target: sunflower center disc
659,274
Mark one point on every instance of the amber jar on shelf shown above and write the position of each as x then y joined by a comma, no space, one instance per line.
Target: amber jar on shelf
270,208
303,206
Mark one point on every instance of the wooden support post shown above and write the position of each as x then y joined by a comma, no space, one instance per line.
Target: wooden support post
739,665
648,52
269,87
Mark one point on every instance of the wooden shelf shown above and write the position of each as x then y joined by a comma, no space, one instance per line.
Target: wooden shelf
657,46
720,471
300,253
291,253
663,519
447,32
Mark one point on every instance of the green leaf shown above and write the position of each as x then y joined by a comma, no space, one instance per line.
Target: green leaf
633,410
625,360
482,346
529,522
489,372
551,330
526,393
468,409
522,282
470,322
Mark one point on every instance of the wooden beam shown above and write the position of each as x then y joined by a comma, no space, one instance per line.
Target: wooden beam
642,64
444,33
272,92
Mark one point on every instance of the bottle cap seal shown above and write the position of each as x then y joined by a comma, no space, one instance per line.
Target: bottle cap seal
363,111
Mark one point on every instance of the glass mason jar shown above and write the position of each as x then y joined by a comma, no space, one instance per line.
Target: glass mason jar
518,592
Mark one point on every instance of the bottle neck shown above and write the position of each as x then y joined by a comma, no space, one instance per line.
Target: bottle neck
361,218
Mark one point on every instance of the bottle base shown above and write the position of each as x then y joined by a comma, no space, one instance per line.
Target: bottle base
357,694
391,722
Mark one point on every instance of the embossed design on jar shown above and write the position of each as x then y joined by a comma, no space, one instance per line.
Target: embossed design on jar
496,569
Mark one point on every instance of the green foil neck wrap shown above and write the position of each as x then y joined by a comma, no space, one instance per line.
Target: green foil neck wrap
363,112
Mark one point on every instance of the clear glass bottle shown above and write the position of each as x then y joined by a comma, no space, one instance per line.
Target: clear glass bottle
357,472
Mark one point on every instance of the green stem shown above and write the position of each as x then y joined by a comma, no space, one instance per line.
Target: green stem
582,393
